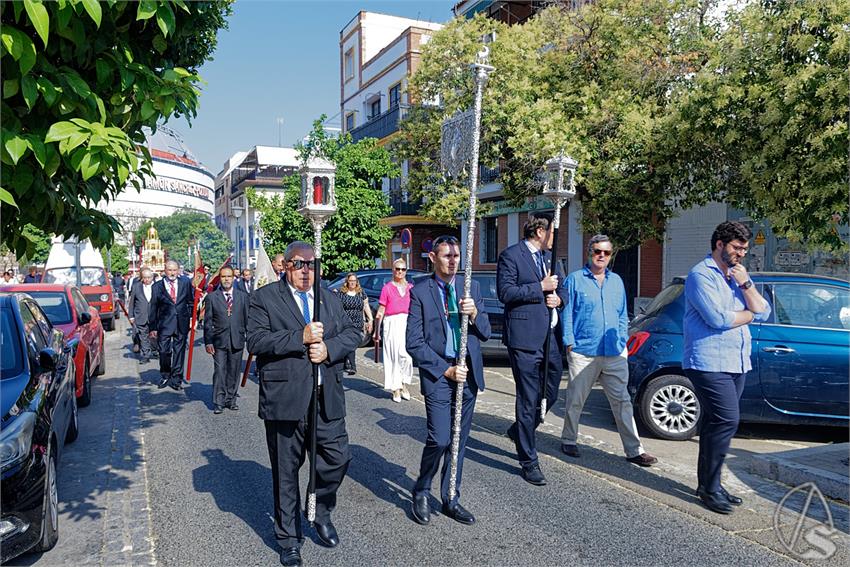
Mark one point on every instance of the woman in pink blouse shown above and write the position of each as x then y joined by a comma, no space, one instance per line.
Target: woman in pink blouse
393,307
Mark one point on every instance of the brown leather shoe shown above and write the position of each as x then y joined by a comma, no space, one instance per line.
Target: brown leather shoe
644,460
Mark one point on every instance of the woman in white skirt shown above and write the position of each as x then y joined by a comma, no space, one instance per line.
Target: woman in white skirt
393,306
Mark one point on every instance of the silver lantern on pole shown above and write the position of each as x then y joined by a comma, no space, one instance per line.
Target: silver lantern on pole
317,205
461,136
560,191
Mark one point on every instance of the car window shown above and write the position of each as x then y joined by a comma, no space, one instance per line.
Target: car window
11,354
68,276
80,302
55,304
809,305
488,285
667,296
42,320
35,339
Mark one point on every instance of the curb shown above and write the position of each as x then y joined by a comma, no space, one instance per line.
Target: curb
786,467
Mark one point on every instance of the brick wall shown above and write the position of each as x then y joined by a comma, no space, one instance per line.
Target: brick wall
651,266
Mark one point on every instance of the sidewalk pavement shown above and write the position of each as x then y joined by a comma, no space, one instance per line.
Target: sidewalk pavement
827,467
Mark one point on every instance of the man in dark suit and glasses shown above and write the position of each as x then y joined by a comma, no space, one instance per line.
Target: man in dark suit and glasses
138,306
433,340
225,324
286,342
170,313
528,293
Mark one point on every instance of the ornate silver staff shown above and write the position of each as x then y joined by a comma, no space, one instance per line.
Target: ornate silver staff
456,132
318,205
553,189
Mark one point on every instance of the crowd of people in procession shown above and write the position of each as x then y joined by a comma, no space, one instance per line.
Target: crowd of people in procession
581,318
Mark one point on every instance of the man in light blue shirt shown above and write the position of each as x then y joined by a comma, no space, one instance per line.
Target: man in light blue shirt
720,301
595,331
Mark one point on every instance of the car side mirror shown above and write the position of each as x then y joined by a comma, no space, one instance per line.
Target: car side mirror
85,318
48,359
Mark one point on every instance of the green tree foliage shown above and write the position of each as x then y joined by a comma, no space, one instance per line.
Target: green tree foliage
764,124
593,82
354,236
184,228
117,253
81,79
40,249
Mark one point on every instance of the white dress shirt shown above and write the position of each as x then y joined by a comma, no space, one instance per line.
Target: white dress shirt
300,304
535,251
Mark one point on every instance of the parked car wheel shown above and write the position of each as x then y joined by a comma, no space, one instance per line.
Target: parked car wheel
101,368
74,426
85,397
669,407
50,511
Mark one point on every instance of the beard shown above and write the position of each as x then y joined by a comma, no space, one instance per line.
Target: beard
728,259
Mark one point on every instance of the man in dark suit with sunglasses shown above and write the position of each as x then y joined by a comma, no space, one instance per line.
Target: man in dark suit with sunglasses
528,293
433,340
285,340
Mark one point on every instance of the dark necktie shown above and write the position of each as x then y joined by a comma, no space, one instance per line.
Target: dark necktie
541,267
453,315
305,308
172,286
229,299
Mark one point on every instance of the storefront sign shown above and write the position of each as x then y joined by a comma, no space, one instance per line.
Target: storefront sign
496,208
178,186
791,259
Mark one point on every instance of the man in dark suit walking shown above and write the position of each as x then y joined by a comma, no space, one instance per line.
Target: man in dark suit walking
528,294
285,342
170,313
433,340
225,324
245,282
138,307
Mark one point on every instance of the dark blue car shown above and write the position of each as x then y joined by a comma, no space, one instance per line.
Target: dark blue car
39,415
800,357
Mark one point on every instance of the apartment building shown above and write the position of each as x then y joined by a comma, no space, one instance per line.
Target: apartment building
378,54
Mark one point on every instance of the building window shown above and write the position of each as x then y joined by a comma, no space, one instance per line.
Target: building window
374,109
490,246
395,96
349,64
349,122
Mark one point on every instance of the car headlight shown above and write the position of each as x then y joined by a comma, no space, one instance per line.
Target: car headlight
104,297
16,439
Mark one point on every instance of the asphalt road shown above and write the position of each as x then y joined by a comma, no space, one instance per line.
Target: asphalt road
156,478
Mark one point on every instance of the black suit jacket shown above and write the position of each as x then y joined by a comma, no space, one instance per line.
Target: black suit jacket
275,337
426,333
171,317
240,285
518,284
138,305
220,329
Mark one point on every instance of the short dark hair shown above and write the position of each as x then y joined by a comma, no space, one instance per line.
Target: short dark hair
728,231
534,222
445,239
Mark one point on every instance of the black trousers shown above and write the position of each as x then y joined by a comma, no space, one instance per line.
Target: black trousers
527,368
172,350
440,410
719,395
227,366
287,442
141,336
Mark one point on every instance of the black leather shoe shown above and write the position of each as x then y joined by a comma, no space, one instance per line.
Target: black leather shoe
716,502
533,475
421,510
570,450
643,460
511,433
731,498
459,514
290,557
327,534
176,387
233,406
163,382
218,409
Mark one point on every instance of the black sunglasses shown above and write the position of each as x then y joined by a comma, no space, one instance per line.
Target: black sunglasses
597,252
299,264
400,269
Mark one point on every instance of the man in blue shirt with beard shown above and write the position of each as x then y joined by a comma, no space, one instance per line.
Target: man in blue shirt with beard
595,331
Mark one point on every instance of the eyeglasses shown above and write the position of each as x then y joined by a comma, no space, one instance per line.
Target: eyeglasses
737,248
299,264
400,269
597,252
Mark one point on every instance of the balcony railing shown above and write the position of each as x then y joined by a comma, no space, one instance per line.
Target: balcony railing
401,206
379,126
273,173
488,174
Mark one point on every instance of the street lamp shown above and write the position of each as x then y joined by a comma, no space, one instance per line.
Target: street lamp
317,205
554,190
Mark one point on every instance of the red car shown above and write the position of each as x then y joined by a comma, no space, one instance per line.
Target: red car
69,311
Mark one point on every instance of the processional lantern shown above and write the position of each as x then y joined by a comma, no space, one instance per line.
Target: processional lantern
318,195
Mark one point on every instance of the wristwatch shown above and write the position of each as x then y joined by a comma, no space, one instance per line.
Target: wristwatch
746,285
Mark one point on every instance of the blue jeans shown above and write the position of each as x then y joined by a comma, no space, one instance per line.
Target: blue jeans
719,395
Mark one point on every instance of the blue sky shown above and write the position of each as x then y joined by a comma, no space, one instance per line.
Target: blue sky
278,59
